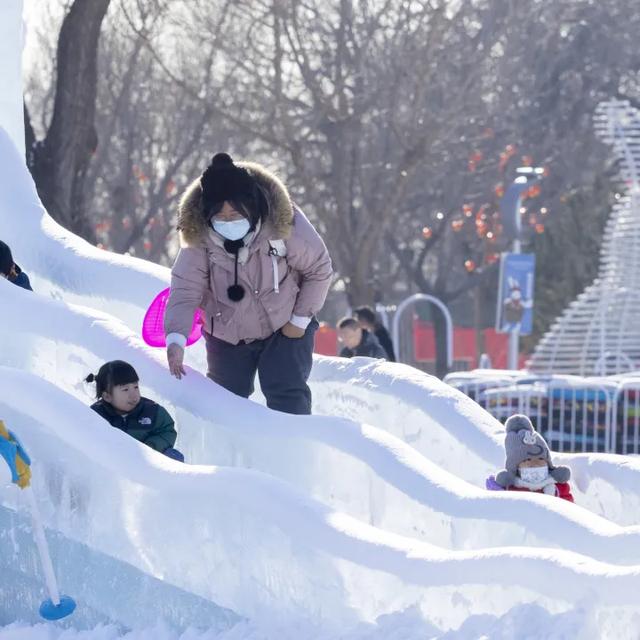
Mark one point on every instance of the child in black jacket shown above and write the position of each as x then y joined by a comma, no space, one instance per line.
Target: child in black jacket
120,403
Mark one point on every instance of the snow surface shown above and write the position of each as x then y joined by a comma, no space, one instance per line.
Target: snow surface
438,422
377,477
365,521
11,42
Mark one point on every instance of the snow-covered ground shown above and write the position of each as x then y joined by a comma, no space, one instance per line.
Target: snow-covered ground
365,521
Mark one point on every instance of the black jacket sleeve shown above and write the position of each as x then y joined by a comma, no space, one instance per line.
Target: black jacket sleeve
385,340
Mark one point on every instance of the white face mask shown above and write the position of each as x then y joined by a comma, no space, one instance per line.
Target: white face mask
232,230
534,475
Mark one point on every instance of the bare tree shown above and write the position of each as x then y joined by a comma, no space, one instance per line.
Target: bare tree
161,134
390,119
343,96
60,161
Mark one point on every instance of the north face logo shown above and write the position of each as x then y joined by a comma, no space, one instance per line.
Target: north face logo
145,421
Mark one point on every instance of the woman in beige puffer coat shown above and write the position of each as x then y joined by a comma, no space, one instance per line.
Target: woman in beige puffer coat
259,270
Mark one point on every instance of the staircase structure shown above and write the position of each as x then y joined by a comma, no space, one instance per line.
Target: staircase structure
599,333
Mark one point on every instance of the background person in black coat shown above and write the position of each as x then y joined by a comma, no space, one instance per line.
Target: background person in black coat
358,341
10,270
369,321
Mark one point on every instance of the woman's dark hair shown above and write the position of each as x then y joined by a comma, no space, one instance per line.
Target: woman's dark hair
224,181
253,207
6,259
111,374
366,314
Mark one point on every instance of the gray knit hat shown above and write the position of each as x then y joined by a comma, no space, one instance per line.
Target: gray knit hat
522,442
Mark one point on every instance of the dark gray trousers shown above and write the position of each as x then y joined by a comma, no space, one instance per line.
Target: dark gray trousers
283,364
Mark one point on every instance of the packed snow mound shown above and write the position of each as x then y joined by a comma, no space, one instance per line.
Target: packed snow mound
59,263
451,430
405,625
375,476
309,555
107,591
226,534
11,42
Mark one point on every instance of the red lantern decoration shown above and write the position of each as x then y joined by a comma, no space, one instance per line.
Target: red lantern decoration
474,159
533,191
505,156
139,173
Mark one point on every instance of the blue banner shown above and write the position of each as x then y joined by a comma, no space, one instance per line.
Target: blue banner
515,296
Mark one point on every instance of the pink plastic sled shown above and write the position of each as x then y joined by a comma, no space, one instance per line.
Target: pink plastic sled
153,323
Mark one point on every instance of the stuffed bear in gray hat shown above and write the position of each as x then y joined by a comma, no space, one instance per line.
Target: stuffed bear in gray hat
522,442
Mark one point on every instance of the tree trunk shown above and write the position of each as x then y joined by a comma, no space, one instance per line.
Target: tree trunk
360,291
478,323
440,332
61,160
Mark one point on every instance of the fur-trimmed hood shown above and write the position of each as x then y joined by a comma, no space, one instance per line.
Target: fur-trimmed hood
194,229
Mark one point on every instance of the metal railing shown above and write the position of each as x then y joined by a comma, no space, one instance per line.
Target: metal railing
625,431
573,414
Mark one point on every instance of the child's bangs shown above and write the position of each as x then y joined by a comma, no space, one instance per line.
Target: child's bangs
122,373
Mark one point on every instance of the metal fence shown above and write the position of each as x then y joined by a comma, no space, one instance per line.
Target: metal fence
573,414
625,430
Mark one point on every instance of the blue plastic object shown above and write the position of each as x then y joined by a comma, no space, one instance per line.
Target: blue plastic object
8,452
174,454
21,450
50,611
9,449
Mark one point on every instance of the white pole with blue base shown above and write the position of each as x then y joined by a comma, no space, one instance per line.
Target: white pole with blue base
56,606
